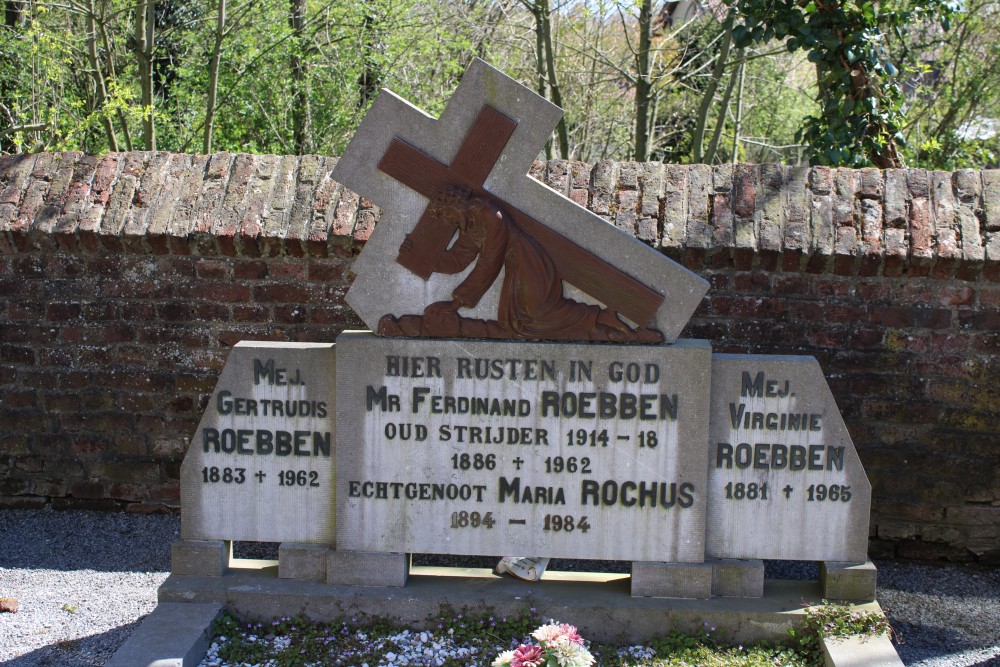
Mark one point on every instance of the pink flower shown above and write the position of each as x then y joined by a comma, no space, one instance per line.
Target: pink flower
551,634
527,655
570,633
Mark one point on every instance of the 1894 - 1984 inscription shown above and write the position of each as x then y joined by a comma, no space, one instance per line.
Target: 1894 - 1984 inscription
470,447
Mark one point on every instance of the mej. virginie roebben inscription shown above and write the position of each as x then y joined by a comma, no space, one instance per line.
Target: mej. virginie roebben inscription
562,450
780,456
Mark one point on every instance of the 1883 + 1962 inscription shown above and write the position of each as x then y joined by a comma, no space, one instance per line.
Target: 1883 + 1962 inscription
568,450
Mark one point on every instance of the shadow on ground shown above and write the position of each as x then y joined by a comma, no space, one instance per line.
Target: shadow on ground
82,652
102,541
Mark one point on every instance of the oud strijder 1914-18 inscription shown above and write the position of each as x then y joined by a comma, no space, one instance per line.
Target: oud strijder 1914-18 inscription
561,446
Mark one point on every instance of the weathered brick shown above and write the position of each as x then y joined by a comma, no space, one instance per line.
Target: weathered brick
723,234
871,226
76,199
797,236
15,170
149,194
674,207
651,178
604,184
557,176
699,205
871,183
991,199
770,211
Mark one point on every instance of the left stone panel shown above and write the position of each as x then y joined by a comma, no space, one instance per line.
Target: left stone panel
261,466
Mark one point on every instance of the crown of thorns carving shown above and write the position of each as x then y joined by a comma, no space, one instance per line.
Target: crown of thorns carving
452,198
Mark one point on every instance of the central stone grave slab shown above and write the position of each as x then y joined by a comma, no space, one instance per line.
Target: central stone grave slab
568,450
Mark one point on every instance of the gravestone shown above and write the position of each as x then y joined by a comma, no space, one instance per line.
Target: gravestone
480,447
782,463
523,391
261,464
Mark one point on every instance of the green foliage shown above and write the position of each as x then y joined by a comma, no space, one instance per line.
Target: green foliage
349,50
286,642
882,72
952,152
861,102
831,620
471,627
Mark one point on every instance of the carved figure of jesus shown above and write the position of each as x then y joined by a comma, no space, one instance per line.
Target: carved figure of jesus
532,304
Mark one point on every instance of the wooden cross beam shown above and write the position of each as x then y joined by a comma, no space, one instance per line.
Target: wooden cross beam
476,157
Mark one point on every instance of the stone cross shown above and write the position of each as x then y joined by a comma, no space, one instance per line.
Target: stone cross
486,140
476,157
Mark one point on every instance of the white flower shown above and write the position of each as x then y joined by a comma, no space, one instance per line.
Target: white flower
503,659
569,654
547,634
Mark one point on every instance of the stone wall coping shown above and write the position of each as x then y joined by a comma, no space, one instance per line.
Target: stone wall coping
816,219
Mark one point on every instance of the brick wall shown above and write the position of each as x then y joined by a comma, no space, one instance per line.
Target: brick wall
125,279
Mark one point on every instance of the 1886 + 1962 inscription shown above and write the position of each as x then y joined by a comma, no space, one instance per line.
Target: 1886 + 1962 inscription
572,450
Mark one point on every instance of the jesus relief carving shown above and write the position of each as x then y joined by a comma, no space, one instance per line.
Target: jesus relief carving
532,304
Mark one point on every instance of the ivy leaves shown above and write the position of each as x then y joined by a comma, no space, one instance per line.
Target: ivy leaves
861,101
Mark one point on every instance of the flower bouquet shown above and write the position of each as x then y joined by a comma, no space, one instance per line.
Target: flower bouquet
559,645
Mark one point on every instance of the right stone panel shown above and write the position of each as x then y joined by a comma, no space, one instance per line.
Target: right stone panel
784,478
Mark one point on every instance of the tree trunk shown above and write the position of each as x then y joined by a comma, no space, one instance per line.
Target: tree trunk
371,75
95,68
213,76
550,65
643,82
738,126
301,113
713,147
145,20
698,138
13,13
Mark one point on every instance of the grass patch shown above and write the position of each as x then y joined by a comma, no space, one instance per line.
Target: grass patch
454,639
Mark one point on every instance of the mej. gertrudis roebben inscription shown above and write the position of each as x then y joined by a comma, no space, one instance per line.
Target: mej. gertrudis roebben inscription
522,390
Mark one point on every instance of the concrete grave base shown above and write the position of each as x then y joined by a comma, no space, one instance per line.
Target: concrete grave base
737,578
853,582
205,558
359,568
302,561
601,605
672,580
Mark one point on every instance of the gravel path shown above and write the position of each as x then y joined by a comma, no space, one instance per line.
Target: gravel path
85,579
